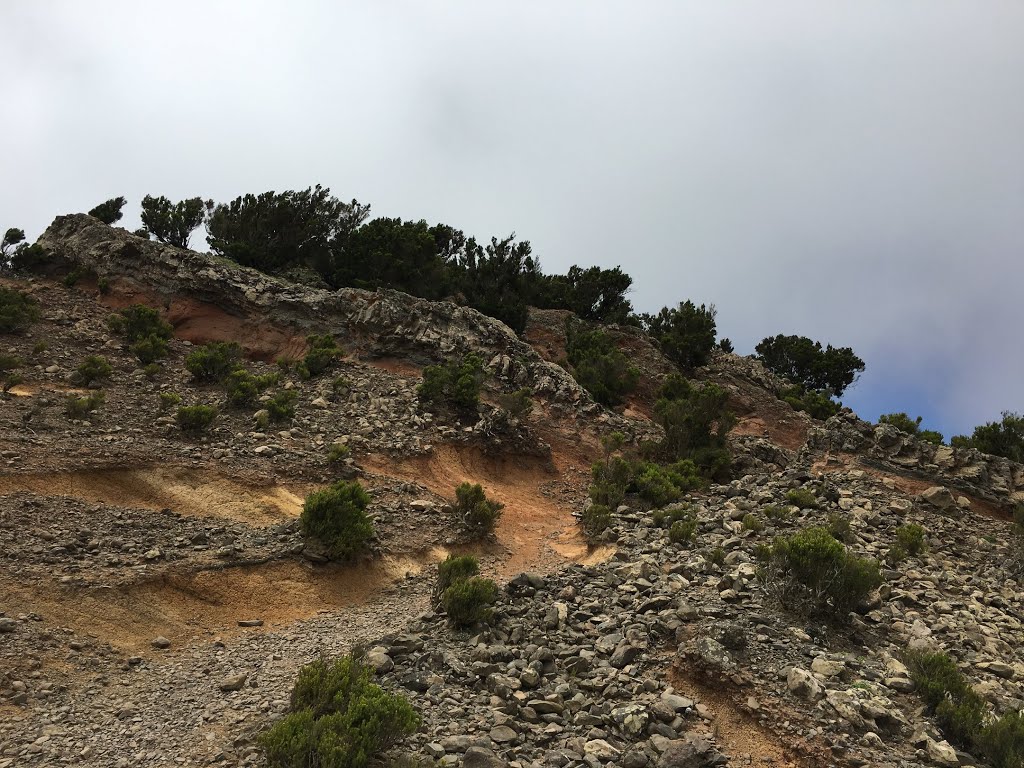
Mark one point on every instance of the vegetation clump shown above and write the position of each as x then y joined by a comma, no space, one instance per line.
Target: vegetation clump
818,405
811,569
455,384
999,438
598,365
322,355
595,520
452,569
195,419
168,400
803,361
82,407
904,423
696,422
213,361
281,406
338,718
172,223
338,452
336,517
516,404
144,330
478,513
468,601
803,498
9,376
109,212
661,484
686,334
93,369
18,310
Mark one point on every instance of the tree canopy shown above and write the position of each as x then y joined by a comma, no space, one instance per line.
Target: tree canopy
686,333
172,223
805,362
109,212
999,438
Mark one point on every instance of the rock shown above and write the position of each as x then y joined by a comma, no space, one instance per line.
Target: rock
631,719
681,754
233,682
378,660
601,750
942,754
7,624
320,402
502,734
803,684
479,757
624,655
251,623
938,497
825,668
161,642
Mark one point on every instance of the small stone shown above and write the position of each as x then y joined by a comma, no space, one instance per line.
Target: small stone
251,623
479,757
161,642
234,682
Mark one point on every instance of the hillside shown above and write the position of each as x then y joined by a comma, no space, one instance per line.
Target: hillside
158,594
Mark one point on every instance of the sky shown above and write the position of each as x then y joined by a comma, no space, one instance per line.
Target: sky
849,171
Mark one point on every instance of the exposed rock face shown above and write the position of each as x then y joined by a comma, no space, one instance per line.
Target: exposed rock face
386,322
989,477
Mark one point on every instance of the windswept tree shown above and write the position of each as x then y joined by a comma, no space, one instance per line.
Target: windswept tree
275,231
404,255
686,334
109,212
172,223
803,361
12,237
1000,438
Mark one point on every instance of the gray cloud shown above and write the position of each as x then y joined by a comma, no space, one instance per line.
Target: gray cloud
851,171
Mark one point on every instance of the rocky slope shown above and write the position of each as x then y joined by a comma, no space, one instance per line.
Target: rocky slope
157,598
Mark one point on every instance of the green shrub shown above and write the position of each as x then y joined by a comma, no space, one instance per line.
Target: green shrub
172,223
323,354
717,555
168,400
139,322
839,527
455,384
214,361
80,407
911,539
664,518
150,349
452,569
959,711
338,452
281,407
696,423
340,387
71,278
518,403
752,522
817,404
595,520
8,374
194,419
813,568
999,438
109,212
151,370
682,531
598,365
468,602
92,369
610,481
904,423
686,334
40,347
1002,741
661,485
242,388
804,362
776,512
803,498
475,510
336,517
961,721
339,718
17,310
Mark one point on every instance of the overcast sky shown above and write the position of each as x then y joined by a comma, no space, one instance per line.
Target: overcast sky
853,171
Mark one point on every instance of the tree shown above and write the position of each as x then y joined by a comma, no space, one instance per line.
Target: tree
172,223
999,438
686,334
804,362
391,253
12,237
598,365
109,212
696,422
594,294
276,231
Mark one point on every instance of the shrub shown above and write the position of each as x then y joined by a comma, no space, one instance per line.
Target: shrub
17,310
149,349
109,212
338,452
339,719
804,362
776,512
812,568
103,286
340,387
998,438
682,531
910,538
144,330
452,569
665,518
518,403
752,522
695,422
80,407
1002,741
611,478
717,556
169,222
959,711
194,419
323,354
214,361
661,485
468,602
817,404
336,517
71,278
8,373
595,520
839,527
151,370
475,510
598,365
40,347
904,423
242,388
686,334
803,498
455,384
281,407
168,400
92,369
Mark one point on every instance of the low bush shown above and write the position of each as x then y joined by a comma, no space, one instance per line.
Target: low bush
598,365
144,330
40,347
664,484
340,388
958,710
93,369
150,349
103,286
455,384
999,438
595,520
1002,741
610,480
281,407
339,718
151,370
336,517
517,404
682,531
468,601
322,355
839,527
685,333
776,512
812,570
452,569
478,513
81,407
665,518
9,377
696,422
213,361
717,555
818,405
911,539
904,423
194,419
18,310
168,400
803,498
752,522
243,388
338,452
